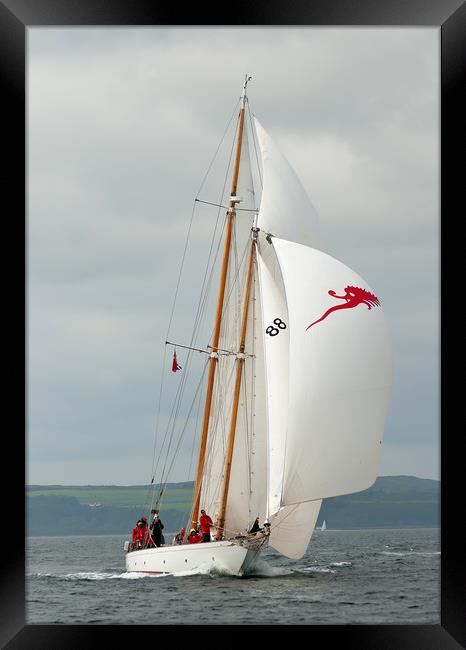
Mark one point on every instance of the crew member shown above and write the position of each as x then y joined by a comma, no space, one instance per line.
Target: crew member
178,539
156,528
194,537
206,524
255,527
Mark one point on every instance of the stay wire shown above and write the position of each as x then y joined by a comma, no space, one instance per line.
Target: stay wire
197,393
253,131
204,290
192,216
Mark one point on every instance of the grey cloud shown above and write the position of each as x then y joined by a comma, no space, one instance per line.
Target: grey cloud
123,124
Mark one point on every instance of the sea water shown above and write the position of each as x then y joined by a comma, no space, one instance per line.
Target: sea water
346,577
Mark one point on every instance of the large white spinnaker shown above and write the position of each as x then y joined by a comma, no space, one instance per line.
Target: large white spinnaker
327,381
339,378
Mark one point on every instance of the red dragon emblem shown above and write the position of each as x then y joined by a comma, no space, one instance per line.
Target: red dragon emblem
353,297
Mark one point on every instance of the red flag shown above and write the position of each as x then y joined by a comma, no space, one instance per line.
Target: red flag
175,364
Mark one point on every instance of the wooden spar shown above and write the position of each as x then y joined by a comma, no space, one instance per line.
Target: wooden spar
234,412
218,321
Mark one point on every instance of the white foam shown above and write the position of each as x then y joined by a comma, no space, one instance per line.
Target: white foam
317,569
262,568
206,569
95,575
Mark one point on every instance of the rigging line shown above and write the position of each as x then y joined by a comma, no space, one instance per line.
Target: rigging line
215,438
175,409
150,487
176,404
181,268
219,428
246,424
200,313
234,282
205,289
198,391
206,292
186,513
202,301
218,148
195,432
226,207
164,475
192,215
168,331
216,225
255,147
253,372
180,392
212,439
188,347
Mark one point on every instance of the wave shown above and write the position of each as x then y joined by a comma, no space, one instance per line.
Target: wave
262,569
206,569
95,575
317,569
404,553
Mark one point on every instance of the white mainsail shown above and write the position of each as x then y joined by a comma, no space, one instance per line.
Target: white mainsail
248,484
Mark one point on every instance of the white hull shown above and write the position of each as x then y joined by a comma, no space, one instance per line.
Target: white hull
225,556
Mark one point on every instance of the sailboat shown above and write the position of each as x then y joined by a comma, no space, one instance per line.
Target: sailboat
324,526
298,377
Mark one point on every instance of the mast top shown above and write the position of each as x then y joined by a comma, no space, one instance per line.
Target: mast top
243,96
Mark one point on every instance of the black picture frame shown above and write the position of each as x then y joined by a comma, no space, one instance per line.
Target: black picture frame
15,17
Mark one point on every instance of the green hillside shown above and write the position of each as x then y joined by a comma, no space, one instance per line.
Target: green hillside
177,495
392,502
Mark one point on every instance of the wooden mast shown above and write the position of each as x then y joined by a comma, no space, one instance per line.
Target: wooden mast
234,412
218,316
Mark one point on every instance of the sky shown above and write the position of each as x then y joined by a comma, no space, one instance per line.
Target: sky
123,124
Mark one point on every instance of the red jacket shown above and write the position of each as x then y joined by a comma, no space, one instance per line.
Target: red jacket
145,534
205,523
195,538
136,535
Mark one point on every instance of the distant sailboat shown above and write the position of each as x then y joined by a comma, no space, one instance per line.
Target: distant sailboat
324,526
297,392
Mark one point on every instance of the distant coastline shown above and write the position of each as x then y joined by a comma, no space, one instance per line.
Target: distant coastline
55,510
